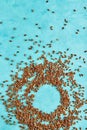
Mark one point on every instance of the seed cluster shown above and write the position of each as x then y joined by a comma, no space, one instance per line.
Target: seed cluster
45,73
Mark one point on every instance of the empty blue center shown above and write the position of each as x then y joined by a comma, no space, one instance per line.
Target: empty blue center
47,98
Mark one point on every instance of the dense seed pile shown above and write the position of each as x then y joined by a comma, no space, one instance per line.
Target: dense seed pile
56,73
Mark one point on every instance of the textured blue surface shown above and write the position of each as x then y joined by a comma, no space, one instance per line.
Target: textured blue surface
12,14
43,101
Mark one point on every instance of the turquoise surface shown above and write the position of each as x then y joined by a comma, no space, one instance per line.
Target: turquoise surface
18,14
42,99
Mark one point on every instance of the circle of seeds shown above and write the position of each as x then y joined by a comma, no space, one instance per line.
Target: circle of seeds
46,73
